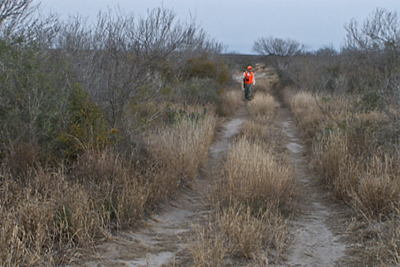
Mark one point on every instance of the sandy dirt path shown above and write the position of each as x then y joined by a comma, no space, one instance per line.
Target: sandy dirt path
316,232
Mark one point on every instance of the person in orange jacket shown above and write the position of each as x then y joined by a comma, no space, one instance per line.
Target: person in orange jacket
248,82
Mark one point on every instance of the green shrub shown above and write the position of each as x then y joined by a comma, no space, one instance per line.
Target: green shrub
200,91
87,128
204,68
372,100
177,116
33,96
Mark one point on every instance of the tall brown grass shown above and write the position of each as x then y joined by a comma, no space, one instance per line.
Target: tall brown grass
230,101
267,136
263,108
51,217
235,232
355,151
315,112
252,176
180,150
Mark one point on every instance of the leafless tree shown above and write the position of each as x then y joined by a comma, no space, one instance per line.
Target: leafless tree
279,53
121,59
13,8
379,32
12,14
278,47
373,53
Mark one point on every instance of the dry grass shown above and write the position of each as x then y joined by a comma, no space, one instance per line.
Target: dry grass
263,108
358,160
306,112
50,218
42,221
252,176
230,101
181,149
329,159
369,182
235,232
315,113
267,136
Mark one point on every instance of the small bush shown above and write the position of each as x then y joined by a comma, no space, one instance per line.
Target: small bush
204,68
371,101
87,127
200,91
33,96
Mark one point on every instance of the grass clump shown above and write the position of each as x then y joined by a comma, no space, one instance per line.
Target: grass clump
235,232
253,176
173,146
263,108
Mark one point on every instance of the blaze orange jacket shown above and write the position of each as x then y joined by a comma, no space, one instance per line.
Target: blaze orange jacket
248,78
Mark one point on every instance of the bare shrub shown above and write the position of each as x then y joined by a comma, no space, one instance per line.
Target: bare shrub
278,47
280,54
201,91
203,67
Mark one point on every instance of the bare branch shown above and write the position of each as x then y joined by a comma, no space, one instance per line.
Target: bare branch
278,47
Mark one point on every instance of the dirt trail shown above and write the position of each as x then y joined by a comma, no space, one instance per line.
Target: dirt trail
316,232
164,240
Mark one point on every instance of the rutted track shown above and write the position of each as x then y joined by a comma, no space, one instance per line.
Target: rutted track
316,240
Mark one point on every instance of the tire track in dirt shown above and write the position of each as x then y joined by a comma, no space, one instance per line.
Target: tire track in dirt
316,240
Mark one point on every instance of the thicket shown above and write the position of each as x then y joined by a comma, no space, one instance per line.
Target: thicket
347,104
99,123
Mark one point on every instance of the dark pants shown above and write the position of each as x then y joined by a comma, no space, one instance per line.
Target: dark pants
248,91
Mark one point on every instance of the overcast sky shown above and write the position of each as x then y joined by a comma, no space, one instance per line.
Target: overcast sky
238,23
